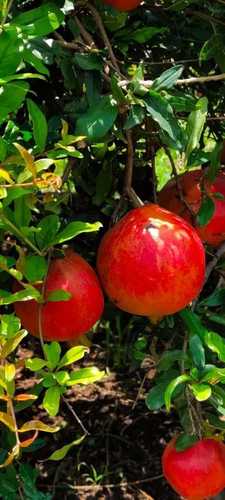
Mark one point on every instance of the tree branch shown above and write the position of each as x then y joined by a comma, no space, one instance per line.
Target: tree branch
186,81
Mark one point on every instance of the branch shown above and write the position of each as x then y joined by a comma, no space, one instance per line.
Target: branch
104,35
186,81
128,190
212,264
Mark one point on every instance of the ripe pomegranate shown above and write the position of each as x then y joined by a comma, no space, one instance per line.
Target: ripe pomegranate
197,472
65,320
212,233
151,263
123,5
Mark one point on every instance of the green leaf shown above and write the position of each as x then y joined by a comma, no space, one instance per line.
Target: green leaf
168,78
74,229
197,351
216,344
35,268
86,376
62,452
195,125
185,441
88,61
213,375
51,400
58,296
62,377
142,35
155,397
202,392
170,357
182,379
13,343
27,293
40,21
103,184
10,53
206,211
35,364
11,98
31,58
161,111
98,120
72,355
193,323
217,298
40,126
135,117
52,352
47,230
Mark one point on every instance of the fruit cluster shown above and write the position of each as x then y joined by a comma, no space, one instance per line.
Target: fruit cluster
151,263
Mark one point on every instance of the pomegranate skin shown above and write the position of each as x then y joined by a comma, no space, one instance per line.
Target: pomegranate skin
197,472
151,263
212,233
65,320
123,5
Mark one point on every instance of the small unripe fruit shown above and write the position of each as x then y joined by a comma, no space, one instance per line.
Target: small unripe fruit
151,263
198,472
70,319
212,233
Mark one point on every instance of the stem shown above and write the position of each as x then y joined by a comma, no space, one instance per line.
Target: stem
7,12
17,231
128,190
40,306
186,81
75,415
12,411
212,264
104,35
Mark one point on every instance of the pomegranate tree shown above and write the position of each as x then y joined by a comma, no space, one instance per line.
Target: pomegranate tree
151,263
198,472
65,319
212,233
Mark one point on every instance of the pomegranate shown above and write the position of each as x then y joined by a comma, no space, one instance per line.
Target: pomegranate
65,320
123,5
197,472
151,263
212,233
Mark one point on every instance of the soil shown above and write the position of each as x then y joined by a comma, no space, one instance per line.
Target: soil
121,455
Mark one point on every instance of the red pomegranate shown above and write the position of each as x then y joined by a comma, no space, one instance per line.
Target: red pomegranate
151,263
212,233
123,5
65,320
197,472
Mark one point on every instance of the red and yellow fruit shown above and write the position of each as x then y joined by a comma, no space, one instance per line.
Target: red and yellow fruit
151,263
123,5
212,233
65,320
197,472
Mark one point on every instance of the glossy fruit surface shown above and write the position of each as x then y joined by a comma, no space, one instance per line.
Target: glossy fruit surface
212,233
197,472
123,5
66,320
151,263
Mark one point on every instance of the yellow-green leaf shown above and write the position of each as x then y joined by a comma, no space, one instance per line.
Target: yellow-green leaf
37,425
28,159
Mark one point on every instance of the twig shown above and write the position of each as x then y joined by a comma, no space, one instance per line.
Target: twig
186,81
77,418
64,43
206,17
128,190
40,306
117,485
18,233
212,264
84,33
104,35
